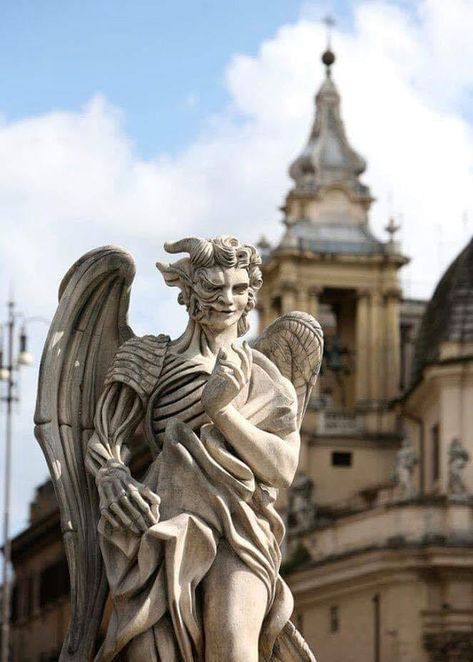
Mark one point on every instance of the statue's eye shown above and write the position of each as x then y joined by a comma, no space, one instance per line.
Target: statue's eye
240,289
208,287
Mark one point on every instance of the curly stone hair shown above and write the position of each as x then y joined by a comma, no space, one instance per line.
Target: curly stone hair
225,252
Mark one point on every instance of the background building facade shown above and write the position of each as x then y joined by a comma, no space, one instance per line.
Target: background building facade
379,552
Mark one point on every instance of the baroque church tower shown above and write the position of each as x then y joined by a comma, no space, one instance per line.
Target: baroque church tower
330,264
379,551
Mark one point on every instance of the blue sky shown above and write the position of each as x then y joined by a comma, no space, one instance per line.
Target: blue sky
136,122
162,62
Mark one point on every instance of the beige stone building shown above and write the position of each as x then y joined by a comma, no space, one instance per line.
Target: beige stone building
380,552
380,547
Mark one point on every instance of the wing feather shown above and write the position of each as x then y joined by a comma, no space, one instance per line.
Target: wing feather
294,343
89,325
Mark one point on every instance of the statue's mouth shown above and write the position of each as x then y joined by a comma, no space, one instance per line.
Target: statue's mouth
225,311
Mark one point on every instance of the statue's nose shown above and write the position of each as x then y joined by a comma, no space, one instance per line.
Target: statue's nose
226,297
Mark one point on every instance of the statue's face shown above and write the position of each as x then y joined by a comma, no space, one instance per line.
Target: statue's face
222,294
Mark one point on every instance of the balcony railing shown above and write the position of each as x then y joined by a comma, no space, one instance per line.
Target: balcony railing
337,421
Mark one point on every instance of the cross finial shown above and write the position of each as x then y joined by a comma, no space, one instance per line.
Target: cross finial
391,229
329,24
328,57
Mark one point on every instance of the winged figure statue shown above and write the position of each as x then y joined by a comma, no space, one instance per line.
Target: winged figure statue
183,564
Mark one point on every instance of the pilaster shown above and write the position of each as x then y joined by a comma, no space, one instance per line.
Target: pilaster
314,299
392,351
376,347
288,298
363,357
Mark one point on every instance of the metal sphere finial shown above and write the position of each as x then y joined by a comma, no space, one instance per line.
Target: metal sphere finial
328,56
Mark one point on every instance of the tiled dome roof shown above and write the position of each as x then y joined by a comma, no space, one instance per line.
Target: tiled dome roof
449,315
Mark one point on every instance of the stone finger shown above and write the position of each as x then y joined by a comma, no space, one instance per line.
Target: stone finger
109,518
154,501
245,363
133,512
151,496
143,505
108,494
229,374
123,518
249,355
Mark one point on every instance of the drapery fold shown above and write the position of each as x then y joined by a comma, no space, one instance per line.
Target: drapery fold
208,494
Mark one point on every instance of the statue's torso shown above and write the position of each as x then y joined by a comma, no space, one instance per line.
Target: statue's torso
178,394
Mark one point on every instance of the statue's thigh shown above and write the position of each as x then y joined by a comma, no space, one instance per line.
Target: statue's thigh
235,602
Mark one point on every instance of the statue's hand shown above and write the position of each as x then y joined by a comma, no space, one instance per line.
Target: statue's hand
227,380
124,502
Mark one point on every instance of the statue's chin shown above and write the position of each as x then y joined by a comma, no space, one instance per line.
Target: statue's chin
217,321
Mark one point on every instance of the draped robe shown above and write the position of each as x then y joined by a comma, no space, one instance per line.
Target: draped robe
208,494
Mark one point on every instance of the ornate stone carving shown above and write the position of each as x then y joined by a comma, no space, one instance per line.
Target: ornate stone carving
301,507
406,462
189,556
458,458
449,646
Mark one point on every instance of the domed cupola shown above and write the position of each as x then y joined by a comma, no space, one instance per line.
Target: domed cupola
328,159
448,318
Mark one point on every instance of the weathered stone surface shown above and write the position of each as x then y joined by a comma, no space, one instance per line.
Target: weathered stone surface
458,458
189,556
406,462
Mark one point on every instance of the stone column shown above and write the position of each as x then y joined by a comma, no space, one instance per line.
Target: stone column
362,347
288,298
303,299
314,295
392,373
376,348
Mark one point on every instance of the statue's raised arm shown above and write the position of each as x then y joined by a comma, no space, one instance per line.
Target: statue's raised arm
191,553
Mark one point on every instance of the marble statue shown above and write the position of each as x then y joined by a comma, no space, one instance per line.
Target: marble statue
458,458
301,507
406,462
189,555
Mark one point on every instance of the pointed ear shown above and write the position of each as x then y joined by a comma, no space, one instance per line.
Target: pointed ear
177,274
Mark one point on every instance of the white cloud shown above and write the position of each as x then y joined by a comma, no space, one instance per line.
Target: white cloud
70,181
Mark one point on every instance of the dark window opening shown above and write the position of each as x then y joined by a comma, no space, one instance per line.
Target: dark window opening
341,459
334,619
54,582
276,304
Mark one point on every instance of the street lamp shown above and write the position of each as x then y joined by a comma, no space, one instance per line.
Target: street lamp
9,366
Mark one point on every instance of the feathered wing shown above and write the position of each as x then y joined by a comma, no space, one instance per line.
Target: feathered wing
294,343
89,325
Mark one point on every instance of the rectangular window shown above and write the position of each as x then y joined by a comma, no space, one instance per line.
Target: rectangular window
334,619
54,582
435,452
341,459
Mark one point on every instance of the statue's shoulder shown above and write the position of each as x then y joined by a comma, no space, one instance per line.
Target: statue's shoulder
138,363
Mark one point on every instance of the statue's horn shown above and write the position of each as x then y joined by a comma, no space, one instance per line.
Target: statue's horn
200,250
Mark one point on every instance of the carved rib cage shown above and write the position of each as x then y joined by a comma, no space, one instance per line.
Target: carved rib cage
294,342
88,327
